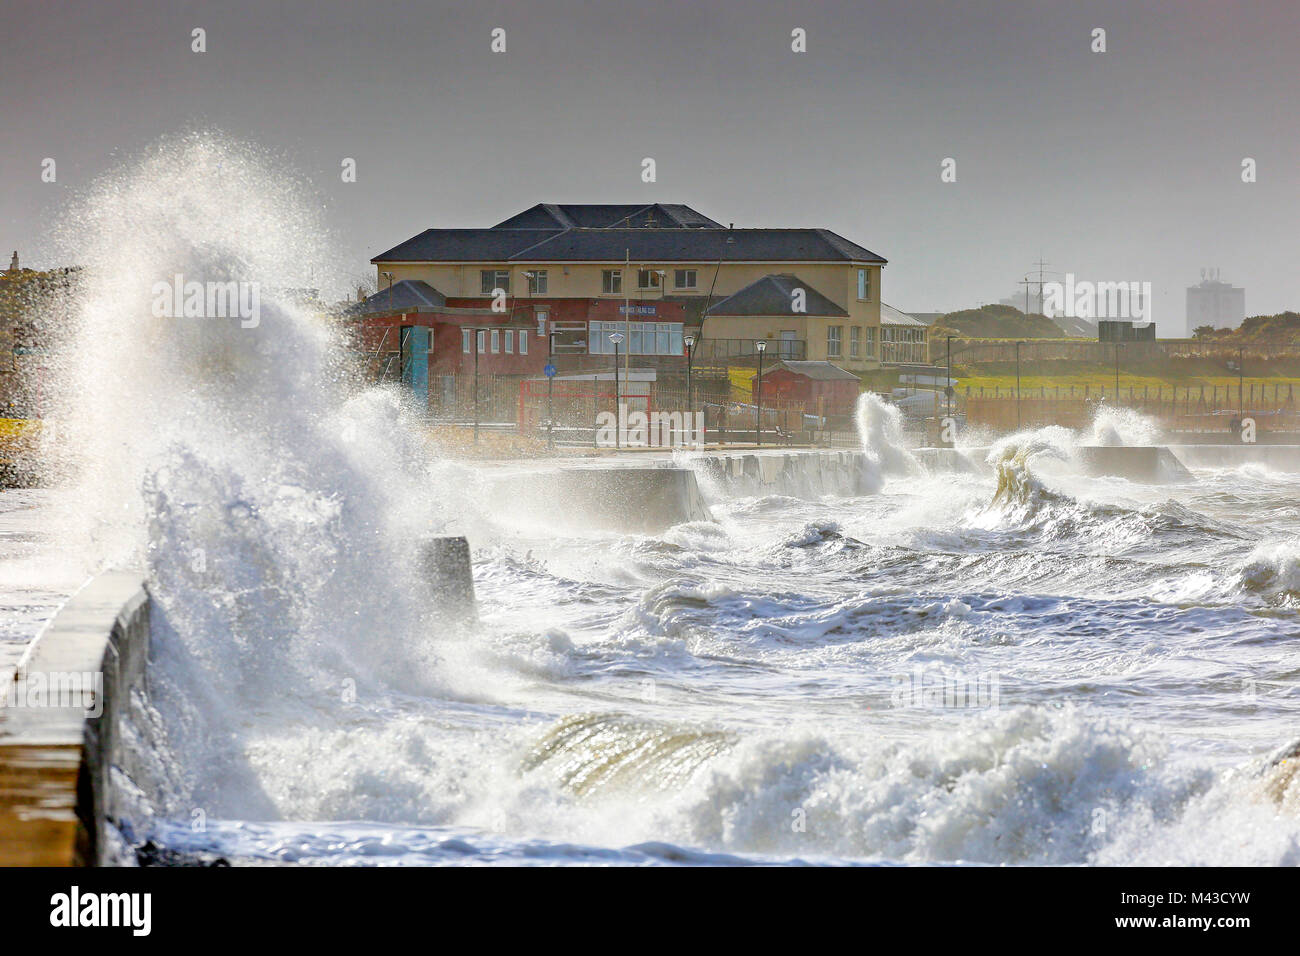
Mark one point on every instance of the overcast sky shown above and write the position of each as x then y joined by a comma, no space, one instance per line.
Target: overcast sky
1117,165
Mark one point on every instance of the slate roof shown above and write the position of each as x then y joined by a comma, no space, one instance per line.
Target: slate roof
464,245
819,371
774,295
595,233
606,216
409,295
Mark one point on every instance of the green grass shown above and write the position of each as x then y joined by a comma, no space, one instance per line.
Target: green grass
1180,374
1095,381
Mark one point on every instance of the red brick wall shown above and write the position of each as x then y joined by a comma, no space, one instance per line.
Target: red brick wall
449,358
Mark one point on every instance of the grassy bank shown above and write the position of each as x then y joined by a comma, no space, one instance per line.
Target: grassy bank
1182,373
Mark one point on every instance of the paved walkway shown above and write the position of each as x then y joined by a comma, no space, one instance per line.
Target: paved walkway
33,581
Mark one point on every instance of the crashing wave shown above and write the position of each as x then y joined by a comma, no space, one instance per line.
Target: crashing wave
880,430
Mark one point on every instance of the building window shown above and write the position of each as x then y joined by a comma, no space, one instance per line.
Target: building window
871,342
542,316
647,279
855,341
537,282
834,336
684,278
644,338
496,341
482,341
612,281
510,341
864,283
466,340
493,279
523,341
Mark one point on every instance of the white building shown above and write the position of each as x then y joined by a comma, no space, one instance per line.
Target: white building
1215,303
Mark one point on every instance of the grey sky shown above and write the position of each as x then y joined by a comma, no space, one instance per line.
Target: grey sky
1122,165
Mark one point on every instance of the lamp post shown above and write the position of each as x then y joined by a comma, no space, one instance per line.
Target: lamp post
690,349
1239,367
389,277
1116,374
1018,344
758,429
616,337
479,341
627,304
948,388
550,390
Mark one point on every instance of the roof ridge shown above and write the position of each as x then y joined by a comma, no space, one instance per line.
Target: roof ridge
556,210
540,242
634,212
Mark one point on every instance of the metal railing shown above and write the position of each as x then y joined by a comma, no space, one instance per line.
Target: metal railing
715,349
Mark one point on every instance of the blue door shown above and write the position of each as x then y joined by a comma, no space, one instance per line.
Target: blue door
415,362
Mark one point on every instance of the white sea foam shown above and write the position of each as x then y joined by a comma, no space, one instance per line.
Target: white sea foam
718,693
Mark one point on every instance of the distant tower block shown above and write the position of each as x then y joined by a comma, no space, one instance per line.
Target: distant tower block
13,263
450,576
1215,303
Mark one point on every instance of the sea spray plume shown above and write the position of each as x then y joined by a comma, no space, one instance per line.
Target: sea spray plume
880,429
1123,426
269,501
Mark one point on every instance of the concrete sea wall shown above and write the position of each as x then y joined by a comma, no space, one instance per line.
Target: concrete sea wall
795,473
1276,457
638,500
60,715
1145,463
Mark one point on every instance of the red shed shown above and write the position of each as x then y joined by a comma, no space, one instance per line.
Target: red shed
812,383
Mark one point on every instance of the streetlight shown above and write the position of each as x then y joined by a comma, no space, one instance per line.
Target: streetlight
550,390
389,276
480,342
616,337
948,389
1117,375
1240,367
1241,371
690,350
1018,344
758,430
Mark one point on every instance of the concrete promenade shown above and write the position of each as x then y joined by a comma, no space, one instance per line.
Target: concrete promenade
33,582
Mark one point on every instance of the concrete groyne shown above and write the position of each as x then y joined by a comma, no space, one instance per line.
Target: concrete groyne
797,473
1272,456
60,715
639,500
1144,463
